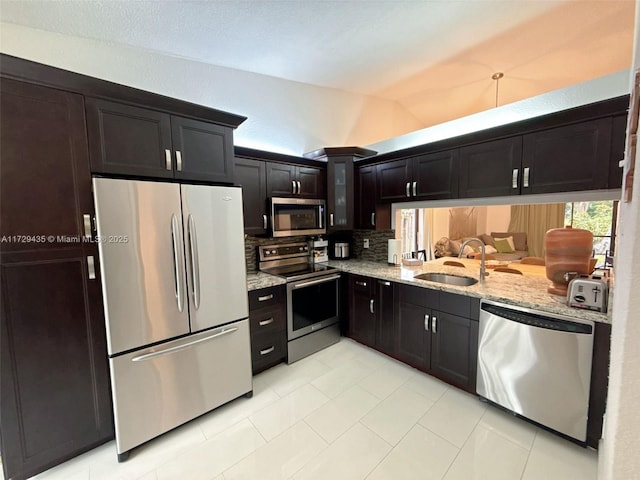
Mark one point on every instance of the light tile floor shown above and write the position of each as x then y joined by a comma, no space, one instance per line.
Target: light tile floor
347,412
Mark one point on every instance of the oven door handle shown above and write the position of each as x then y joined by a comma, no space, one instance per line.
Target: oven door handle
315,282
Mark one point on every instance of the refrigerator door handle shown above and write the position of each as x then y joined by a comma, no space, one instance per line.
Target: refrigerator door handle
195,261
176,263
177,348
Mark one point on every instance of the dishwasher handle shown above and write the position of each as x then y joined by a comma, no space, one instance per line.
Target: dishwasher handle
537,319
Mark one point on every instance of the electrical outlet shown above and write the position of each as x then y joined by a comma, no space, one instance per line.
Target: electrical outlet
366,243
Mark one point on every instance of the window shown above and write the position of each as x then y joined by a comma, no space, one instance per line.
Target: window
600,219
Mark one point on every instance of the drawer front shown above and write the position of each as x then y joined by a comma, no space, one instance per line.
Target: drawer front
266,297
457,305
267,350
268,320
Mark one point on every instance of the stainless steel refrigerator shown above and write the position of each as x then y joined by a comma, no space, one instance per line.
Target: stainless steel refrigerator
175,298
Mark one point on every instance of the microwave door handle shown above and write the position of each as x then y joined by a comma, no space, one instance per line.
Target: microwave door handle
195,261
176,263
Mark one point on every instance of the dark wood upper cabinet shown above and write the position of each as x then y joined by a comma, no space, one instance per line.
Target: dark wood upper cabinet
570,158
366,197
435,176
252,177
340,193
618,142
204,151
54,383
287,180
491,169
394,181
127,140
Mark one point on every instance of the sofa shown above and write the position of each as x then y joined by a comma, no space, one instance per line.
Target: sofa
448,247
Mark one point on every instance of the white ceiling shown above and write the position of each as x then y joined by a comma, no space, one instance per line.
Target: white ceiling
433,57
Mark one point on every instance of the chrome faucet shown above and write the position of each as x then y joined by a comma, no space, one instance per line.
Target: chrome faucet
483,270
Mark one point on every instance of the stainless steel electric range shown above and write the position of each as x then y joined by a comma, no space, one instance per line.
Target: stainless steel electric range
313,312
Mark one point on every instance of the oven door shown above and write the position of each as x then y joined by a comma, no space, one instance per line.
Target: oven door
312,304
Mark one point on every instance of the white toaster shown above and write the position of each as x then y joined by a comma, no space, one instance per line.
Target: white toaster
589,293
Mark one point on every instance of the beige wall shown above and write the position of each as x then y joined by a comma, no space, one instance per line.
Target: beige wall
283,116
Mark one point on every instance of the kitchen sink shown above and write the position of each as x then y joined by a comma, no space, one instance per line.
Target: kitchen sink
458,280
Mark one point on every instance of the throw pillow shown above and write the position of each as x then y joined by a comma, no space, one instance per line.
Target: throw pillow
486,239
503,245
489,249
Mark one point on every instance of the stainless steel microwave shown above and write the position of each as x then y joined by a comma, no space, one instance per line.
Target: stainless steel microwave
297,216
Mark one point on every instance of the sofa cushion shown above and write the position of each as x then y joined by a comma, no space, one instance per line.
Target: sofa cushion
503,245
519,239
486,239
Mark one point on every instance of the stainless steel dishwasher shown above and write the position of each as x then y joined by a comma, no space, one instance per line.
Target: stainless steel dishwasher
537,365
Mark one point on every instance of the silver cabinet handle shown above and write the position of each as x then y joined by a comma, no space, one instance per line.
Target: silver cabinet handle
426,322
264,222
434,325
514,178
195,260
373,219
91,267
361,284
167,159
86,220
408,186
314,282
371,305
331,219
265,297
415,188
299,189
525,177
266,322
267,351
177,348
176,263
179,160
293,187
386,284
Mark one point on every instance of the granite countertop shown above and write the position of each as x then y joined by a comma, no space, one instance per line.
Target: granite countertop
521,290
258,280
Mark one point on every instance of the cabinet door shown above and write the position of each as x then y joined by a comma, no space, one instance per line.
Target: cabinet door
491,169
129,140
618,142
454,349
281,178
436,175
394,181
570,158
340,194
313,182
412,337
366,197
54,380
385,328
203,151
252,177
362,320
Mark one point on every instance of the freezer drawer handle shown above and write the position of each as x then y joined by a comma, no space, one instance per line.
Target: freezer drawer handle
176,263
177,348
266,322
264,298
195,261
267,351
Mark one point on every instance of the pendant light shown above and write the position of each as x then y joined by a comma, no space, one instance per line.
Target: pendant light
497,76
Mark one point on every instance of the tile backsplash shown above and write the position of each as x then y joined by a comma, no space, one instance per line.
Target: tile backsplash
377,251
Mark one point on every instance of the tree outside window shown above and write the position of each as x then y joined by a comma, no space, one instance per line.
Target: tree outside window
600,219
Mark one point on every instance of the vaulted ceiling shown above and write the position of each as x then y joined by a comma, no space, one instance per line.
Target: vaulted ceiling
435,58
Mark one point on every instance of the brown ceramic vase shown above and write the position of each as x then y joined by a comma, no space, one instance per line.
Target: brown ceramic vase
567,250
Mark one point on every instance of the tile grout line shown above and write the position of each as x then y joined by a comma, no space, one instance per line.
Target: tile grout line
524,469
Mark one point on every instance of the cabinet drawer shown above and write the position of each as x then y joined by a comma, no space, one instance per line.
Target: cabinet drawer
424,297
266,297
267,320
267,350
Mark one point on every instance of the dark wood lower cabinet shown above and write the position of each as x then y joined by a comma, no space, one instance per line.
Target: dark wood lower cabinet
362,320
454,346
413,342
54,377
268,324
